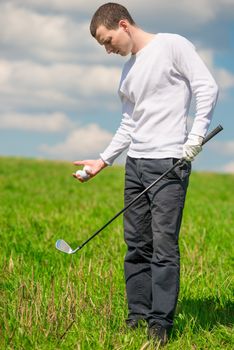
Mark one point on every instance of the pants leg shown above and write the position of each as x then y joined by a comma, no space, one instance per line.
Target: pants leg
138,237
152,263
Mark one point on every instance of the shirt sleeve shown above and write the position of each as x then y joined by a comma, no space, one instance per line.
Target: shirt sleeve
122,137
202,84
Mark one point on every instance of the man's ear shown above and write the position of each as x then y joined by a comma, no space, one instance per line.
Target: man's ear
124,25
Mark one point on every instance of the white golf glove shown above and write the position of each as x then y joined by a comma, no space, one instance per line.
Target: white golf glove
192,147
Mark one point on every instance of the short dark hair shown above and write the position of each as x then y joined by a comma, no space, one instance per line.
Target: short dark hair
109,15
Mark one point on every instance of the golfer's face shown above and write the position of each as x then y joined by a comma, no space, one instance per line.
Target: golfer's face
115,40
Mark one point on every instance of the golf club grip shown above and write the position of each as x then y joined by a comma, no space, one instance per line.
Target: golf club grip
212,134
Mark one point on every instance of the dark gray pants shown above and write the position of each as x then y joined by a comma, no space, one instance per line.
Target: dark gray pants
151,226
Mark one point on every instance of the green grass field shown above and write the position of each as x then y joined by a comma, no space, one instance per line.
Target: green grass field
50,300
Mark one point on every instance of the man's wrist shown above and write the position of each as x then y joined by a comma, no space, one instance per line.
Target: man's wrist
102,163
195,139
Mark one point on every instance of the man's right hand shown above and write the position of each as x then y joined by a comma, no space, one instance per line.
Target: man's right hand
95,165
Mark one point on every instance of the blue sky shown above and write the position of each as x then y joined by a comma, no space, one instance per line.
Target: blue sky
58,97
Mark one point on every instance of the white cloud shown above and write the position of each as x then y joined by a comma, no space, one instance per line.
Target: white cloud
32,28
207,56
229,168
87,141
27,33
196,12
25,84
55,122
199,12
223,147
70,78
59,5
224,78
48,30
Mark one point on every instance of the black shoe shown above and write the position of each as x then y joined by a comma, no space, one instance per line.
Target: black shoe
158,334
133,323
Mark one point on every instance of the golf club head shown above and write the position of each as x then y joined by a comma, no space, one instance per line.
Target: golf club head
63,246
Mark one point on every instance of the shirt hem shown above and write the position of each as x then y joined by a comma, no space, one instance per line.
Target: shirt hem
155,155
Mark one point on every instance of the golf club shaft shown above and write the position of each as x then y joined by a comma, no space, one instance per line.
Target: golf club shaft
179,162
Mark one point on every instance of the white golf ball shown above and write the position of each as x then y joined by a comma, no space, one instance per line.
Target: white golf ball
87,167
83,173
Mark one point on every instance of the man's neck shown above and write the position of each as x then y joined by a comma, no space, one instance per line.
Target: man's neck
140,38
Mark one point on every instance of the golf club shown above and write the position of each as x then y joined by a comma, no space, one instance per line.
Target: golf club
65,248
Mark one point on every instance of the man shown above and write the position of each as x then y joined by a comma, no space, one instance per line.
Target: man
156,86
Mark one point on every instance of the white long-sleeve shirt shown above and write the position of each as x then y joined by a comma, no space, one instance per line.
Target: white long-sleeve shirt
156,88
